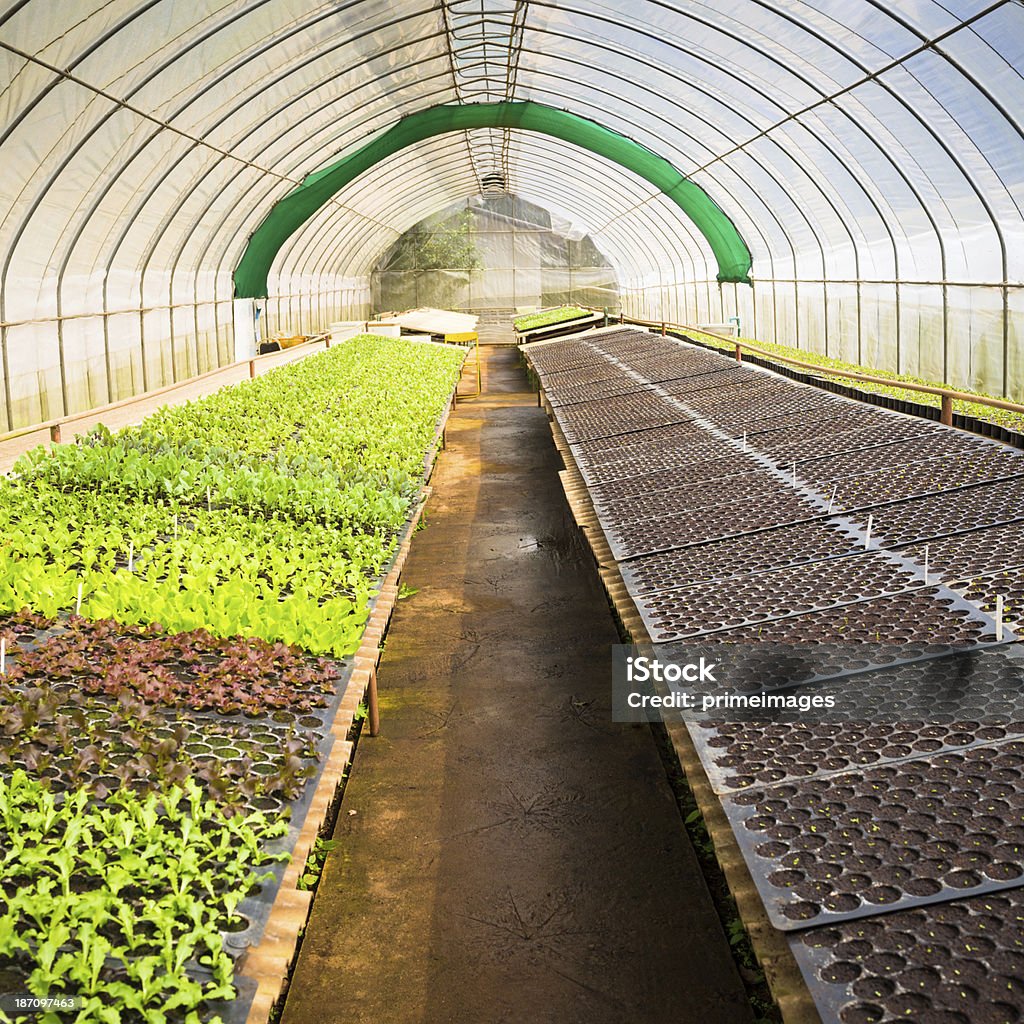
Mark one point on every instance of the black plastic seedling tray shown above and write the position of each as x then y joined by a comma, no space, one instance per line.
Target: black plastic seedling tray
707,608
929,517
630,539
928,476
727,467
676,446
948,964
923,615
607,427
588,394
724,559
743,755
966,555
911,833
691,495
895,450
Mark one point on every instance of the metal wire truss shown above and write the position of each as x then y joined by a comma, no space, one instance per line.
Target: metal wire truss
485,38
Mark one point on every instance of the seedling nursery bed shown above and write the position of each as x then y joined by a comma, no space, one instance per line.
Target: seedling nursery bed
182,648
886,838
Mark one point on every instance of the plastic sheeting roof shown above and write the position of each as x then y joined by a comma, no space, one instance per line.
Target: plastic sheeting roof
144,141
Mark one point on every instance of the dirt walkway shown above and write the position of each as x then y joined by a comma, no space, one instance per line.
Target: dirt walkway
507,854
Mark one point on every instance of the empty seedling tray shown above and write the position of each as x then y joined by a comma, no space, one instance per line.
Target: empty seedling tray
930,476
688,473
769,596
966,555
629,538
698,495
928,616
738,756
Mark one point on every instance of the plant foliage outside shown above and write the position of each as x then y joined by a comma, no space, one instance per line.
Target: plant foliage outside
1003,417
548,317
448,245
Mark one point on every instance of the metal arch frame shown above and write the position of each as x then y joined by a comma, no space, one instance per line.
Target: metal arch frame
842,220
378,182
312,114
282,220
342,244
304,267
925,207
915,115
168,219
968,176
869,76
316,112
118,106
293,100
714,98
239,65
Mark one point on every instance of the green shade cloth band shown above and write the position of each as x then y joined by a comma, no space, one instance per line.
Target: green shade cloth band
291,212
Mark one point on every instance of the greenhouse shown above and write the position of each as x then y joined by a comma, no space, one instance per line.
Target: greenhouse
512,510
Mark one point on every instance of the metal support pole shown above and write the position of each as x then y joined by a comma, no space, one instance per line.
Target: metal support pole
946,414
739,353
252,367
55,433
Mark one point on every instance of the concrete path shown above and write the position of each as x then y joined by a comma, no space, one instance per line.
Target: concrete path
507,854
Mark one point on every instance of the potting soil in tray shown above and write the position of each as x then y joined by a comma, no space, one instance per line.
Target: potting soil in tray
739,556
923,830
947,963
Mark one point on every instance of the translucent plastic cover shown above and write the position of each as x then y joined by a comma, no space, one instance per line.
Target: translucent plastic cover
865,159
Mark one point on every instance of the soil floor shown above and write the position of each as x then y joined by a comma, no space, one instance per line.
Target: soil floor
506,852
